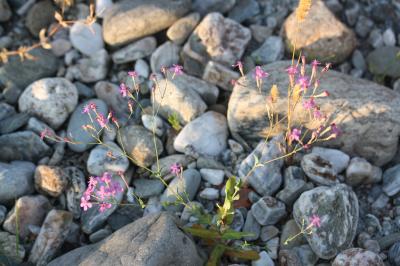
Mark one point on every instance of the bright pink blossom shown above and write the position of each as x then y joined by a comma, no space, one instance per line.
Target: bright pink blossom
309,104
176,69
259,74
295,135
315,220
132,74
123,89
104,206
175,168
292,70
335,130
85,204
101,120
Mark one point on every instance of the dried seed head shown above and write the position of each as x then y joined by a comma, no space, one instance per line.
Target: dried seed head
302,9
274,93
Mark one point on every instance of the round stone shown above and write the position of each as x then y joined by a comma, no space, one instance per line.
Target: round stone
87,39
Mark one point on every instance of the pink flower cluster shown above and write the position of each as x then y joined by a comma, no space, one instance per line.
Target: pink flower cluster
101,190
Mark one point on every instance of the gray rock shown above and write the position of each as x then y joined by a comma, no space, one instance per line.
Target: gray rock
16,180
153,123
389,38
60,47
165,163
270,51
363,26
109,93
247,112
142,68
273,246
152,240
358,60
209,193
91,69
134,51
23,73
40,16
375,38
251,226
357,256
55,229
139,144
165,55
292,191
260,33
384,61
337,207
5,11
264,260
243,10
130,20
75,189
290,229
99,235
84,91
6,110
238,221
391,181
100,161
338,159
28,211
38,127
3,213
352,13
50,99
268,232
50,180
207,135
185,186
268,211
306,255
78,119
102,6
146,188
22,145
360,171
13,122
219,75
182,28
213,176
10,249
394,254
86,38
267,178
153,206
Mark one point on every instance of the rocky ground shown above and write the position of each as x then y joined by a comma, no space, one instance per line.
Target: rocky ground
353,183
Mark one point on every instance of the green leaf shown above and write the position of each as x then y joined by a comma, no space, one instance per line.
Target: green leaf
203,233
216,255
234,235
242,254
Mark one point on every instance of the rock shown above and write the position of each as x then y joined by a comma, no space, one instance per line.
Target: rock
3,213
6,110
213,176
165,55
10,249
75,189
357,256
251,226
265,179
106,158
55,229
5,11
260,33
207,6
99,235
87,39
153,123
40,16
51,180
270,51
142,68
360,171
363,26
268,211
207,135
375,38
92,69
394,254
51,99
292,191
182,28
217,38
391,181
273,246
165,163
264,260
16,180
60,47
146,188
153,240
306,255
179,98
185,186
338,159
358,60
134,51
102,6
78,119
238,221
290,229
247,112
13,122
319,170
333,43
337,206
139,145
209,193
389,38
384,61
153,206
243,10
268,232
23,73
219,75
28,210
22,145
109,93
130,20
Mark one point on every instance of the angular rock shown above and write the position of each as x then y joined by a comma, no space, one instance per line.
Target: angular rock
152,240
51,99
100,161
13,122
360,171
268,211
9,248
129,20
28,210
334,41
75,189
209,193
146,188
384,61
292,191
391,181
213,176
134,51
337,207
165,55
109,93
91,69
219,75
207,6
394,254
165,163
51,180
207,135
267,178
243,10
357,256
139,144
251,226
355,98
182,28
86,38
264,260
55,229
270,51
22,145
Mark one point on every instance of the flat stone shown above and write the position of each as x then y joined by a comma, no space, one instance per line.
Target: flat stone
134,51
270,51
165,55
87,39
251,226
213,176
268,211
391,181
182,28
264,260
51,180
13,122
243,10
319,170
165,163
209,193
146,188
207,6
40,16
106,158
75,189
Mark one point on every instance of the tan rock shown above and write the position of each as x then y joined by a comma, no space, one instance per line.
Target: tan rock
51,180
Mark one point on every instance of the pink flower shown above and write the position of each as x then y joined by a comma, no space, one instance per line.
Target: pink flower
303,82
295,135
44,133
176,69
123,90
315,63
101,120
309,104
106,178
315,220
92,106
292,70
335,130
86,109
104,206
85,204
92,181
132,74
317,113
259,73
175,168
238,64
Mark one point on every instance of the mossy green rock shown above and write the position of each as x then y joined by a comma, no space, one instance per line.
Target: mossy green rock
385,61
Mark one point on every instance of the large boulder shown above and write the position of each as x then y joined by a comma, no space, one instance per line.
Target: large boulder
151,240
359,108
